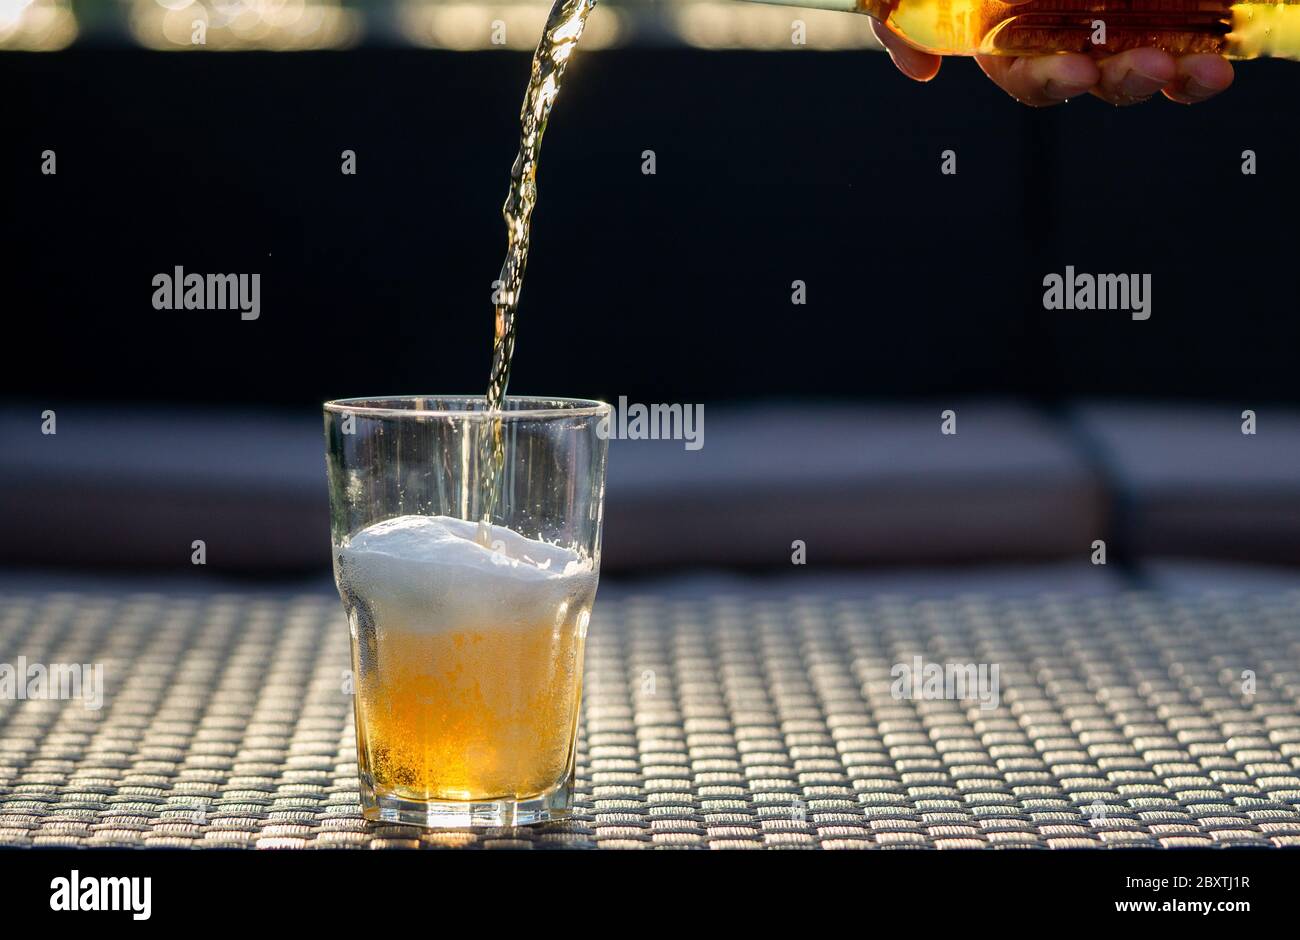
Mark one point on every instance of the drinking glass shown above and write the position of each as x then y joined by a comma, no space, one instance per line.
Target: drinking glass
467,634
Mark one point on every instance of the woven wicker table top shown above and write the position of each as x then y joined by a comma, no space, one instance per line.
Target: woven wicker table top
723,723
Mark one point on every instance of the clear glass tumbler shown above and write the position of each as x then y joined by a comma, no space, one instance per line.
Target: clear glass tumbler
467,633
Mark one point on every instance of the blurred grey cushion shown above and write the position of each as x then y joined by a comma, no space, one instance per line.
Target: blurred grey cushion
876,484
1190,483
1023,579
870,483
1196,576
135,488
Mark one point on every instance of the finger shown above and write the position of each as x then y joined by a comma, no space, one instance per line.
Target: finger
911,62
1199,76
1134,76
1041,80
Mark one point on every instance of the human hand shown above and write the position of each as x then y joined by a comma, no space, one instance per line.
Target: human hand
1125,78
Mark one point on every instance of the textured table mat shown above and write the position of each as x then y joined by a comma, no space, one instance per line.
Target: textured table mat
722,723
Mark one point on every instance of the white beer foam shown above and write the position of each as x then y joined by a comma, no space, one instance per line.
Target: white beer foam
429,574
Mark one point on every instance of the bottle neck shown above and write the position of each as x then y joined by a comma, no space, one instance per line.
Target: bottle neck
880,9
844,6
877,8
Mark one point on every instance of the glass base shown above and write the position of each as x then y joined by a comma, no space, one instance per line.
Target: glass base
382,807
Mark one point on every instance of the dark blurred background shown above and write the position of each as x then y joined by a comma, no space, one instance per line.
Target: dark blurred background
774,163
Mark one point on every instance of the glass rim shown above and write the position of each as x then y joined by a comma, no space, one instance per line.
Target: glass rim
387,406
